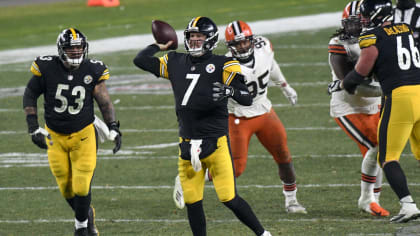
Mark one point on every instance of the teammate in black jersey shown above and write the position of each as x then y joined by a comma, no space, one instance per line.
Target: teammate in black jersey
70,82
201,83
406,11
389,52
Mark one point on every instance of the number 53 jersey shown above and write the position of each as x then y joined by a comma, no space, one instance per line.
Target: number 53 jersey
398,61
68,94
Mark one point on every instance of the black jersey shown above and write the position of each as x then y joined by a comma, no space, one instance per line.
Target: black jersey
411,17
68,99
398,61
198,115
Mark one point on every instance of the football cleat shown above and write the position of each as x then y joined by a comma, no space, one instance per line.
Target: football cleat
81,232
369,206
293,206
409,211
266,233
92,230
178,195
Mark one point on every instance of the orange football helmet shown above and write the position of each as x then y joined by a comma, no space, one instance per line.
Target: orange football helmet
351,20
239,39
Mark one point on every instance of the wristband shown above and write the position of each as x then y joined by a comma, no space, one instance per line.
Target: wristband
32,121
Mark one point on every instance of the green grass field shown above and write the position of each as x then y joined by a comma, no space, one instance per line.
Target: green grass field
132,191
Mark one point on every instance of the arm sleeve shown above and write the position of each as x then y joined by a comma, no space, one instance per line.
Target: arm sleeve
32,91
241,93
352,80
146,61
276,75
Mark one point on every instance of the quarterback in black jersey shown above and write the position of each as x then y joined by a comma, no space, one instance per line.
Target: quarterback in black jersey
70,82
201,83
388,51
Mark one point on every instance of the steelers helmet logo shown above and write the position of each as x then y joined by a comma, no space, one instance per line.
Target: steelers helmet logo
88,79
210,68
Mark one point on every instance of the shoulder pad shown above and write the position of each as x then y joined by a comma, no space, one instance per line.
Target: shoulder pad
230,68
99,69
367,40
39,63
262,42
336,46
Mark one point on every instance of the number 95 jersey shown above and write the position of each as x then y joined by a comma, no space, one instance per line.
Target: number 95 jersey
68,94
257,77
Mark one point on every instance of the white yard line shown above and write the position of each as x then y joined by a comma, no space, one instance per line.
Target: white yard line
209,185
39,160
176,130
170,221
136,42
171,107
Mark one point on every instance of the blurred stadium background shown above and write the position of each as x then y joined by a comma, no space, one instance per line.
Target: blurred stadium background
132,191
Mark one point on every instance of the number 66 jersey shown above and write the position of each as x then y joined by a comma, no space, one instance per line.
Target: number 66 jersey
392,75
68,99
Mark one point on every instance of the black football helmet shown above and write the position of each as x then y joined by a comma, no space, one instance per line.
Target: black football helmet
375,12
205,26
72,47
405,4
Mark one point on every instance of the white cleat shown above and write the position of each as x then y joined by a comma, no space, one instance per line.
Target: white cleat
178,195
266,233
370,206
293,206
409,211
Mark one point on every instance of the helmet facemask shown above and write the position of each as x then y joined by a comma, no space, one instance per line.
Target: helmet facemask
352,26
205,45
72,48
242,47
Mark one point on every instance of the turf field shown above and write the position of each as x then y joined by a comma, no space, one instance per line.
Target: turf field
132,191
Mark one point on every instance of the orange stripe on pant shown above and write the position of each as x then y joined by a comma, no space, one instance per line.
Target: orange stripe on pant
270,132
362,128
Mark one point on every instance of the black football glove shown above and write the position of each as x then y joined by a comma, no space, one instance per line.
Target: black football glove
334,87
38,137
37,134
115,134
221,91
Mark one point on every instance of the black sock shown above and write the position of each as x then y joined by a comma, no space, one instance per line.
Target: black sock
197,218
396,178
245,214
70,201
81,205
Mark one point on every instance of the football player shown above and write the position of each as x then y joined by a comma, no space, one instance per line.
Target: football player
202,83
357,114
69,83
256,57
389,52
408,12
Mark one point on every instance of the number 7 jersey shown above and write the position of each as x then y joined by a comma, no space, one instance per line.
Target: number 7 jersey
68,94
192,83
398,61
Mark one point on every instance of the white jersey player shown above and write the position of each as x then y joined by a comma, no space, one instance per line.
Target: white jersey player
258,66
358,114
261,68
